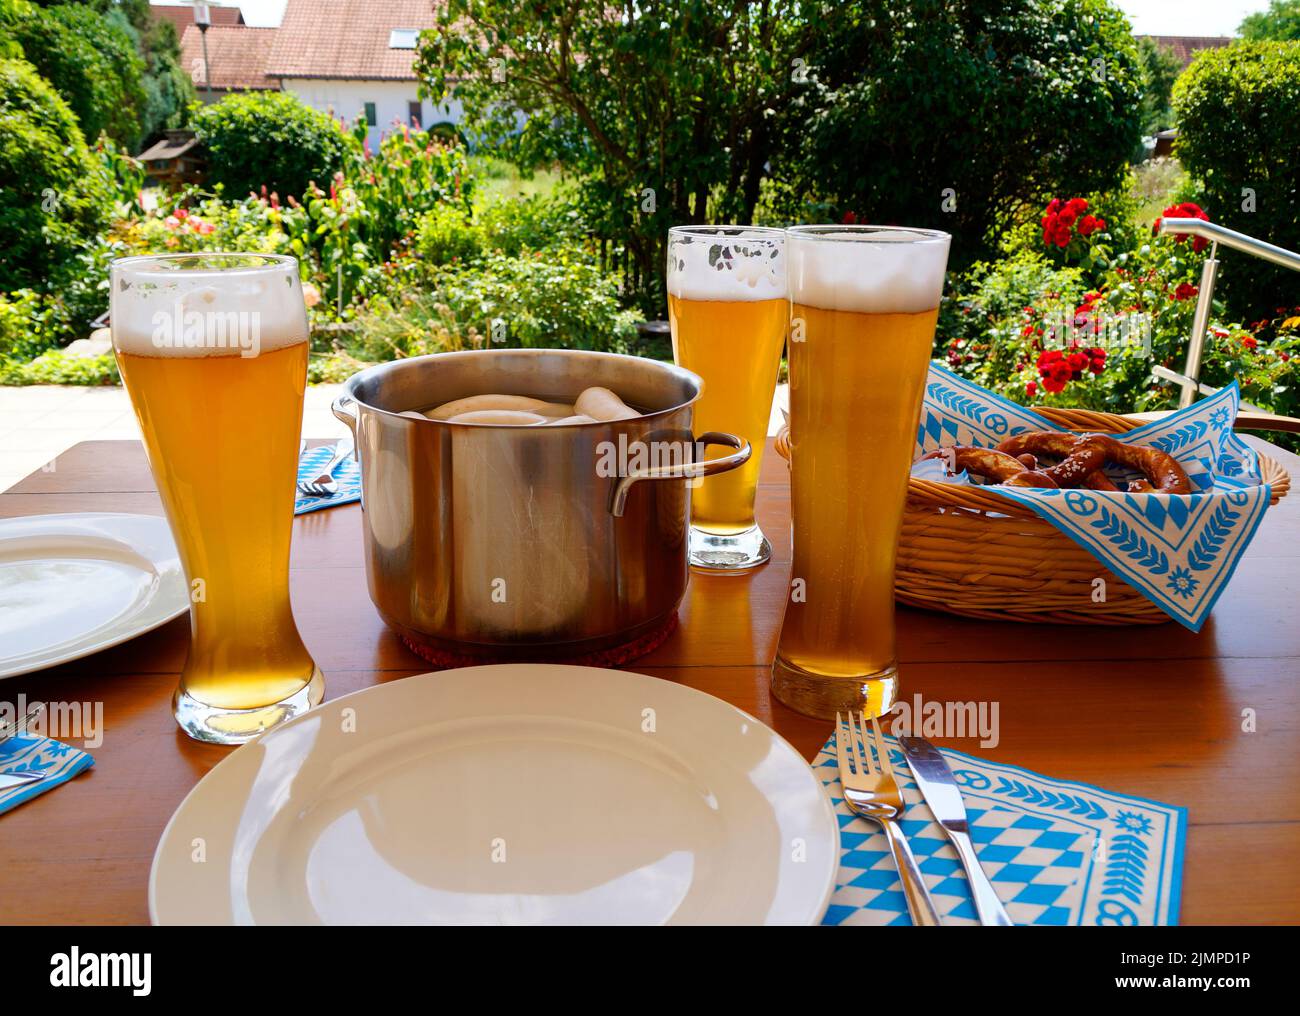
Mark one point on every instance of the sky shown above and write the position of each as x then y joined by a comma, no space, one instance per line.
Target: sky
1149,17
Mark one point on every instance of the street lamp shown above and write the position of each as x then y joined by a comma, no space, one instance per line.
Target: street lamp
203,19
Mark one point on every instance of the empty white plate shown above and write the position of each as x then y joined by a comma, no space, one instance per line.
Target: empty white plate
513,794
71,585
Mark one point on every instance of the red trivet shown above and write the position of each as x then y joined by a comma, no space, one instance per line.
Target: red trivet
441,659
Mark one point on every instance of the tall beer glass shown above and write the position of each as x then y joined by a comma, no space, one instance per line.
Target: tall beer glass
864,302
213,351
728,311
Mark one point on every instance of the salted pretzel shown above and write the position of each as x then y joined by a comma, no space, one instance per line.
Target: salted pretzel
1083,456
992,465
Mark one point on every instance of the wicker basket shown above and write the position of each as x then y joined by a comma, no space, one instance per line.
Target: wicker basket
969,551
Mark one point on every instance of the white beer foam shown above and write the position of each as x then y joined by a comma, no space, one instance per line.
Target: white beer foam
194,313
880,272
755,275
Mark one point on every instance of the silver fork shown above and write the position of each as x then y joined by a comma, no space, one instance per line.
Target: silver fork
871,791
10,730
324,485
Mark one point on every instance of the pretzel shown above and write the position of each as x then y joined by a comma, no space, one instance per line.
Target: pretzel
992,465
1163,473
1083,456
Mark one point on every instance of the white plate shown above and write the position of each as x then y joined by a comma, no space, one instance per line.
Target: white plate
513,794
71,585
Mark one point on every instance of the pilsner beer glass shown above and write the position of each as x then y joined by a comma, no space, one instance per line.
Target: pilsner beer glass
864,302
728,311
213,351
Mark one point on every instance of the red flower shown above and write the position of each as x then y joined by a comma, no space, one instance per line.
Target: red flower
1077,205
1185,291
1101,225
850,218
1249,341
1186,210
1087,225
1068,215
1031,388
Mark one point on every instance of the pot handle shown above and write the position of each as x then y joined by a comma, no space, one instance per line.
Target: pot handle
687,471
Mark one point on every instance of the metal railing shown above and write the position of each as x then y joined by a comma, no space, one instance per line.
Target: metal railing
1190,379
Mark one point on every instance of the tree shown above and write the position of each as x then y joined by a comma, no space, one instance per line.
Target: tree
963,114
1280,22
1160,69
91,60
53,197
699,111
168,88
667,110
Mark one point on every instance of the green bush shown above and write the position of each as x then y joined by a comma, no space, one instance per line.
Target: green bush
445,235
1238,111
271,140
90,59
952,113
53,194
514,225
56,367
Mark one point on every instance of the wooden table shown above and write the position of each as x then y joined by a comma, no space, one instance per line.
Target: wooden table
1154,711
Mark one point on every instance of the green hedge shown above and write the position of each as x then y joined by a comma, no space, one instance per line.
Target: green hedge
54,197
272,140
1238,112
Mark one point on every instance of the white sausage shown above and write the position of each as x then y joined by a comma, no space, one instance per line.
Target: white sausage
514,403
603,405
499,418
569,421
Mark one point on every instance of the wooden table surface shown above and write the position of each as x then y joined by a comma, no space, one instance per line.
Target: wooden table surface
1153,711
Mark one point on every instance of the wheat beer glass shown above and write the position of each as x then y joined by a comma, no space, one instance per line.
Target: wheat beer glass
863,305
213,351
728,311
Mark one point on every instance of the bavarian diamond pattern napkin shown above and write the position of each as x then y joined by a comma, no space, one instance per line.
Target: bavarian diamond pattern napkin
1056,852
1179,550
32,753
347,473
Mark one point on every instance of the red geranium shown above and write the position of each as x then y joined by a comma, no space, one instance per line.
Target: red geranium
1058,368
1187,210
1061,219
1185,291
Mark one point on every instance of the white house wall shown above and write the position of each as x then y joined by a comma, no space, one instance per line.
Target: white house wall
347,99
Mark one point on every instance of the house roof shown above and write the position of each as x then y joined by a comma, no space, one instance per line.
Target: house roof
236,56
183,17
346,39
173,144
1186,47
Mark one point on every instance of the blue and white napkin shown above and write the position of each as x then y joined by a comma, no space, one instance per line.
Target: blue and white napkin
1056,852
32,753
1179,550
347,473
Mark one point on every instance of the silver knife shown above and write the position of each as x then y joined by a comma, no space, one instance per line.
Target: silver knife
939,788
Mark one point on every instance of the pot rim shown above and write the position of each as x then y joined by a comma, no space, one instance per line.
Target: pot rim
349,386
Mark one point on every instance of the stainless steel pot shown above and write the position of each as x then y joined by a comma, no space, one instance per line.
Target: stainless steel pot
530,541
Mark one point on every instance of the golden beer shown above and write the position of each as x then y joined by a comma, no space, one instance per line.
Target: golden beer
221,424
728,311
860,347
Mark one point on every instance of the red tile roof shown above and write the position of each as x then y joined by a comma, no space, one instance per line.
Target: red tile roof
1186,47
183,17
236,55
346,39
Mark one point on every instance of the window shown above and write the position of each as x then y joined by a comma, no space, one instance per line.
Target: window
403,38
414,114
372,117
